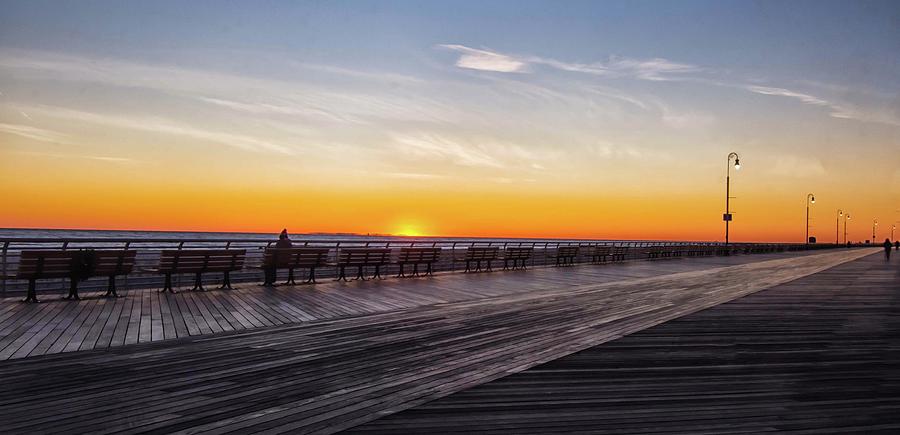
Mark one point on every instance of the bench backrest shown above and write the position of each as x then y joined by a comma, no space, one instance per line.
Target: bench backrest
419,255
620,250
601,250
567,251
112,262
201,260
364,256
45,264
519,253
482,253
295,258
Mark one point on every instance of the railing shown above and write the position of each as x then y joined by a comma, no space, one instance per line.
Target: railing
148,251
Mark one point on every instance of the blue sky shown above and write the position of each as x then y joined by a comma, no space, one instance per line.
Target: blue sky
561,96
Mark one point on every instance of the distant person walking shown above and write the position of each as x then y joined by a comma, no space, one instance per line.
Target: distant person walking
887,250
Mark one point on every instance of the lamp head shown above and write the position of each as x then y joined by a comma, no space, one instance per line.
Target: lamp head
812,199
737,164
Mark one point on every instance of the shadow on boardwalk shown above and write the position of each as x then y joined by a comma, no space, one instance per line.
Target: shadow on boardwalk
330,375
819,354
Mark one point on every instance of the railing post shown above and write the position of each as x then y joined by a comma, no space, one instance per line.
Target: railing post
5,249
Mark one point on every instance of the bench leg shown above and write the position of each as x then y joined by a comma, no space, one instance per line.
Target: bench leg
312,276
488,268
31,296
342,274
167,284
290,278
468,266
359,274
416,269
478,266
400,273
269,280
377,274
429,270
226,281
198,282
111,288
73,290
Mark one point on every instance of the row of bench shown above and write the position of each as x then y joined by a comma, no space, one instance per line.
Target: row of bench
78,265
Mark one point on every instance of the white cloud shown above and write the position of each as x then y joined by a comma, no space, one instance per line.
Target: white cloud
840,111
797,167
485,60
439,147
656,69
164,126
34,133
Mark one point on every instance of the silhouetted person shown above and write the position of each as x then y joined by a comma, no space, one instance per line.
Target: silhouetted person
897,245
283,240
887,249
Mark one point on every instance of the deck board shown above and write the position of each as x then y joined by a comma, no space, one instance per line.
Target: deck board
337,373
146,316
820,354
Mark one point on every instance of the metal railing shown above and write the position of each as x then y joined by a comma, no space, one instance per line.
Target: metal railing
148,252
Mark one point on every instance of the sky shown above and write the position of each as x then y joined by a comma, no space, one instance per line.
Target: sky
600,119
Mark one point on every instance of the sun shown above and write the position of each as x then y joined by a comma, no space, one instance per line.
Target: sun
409,229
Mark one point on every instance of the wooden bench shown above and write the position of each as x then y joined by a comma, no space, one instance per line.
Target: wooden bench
599,253
110,263
479,254
293,258
360,258
198,262
565,255
417,256
76,265
518,255
619,253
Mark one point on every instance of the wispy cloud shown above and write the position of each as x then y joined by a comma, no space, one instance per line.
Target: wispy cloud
656,69
164,126
109,159
485,60
35,133
836,110
795,167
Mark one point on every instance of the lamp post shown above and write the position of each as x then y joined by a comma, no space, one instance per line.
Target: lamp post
727,216
837,226
845,227
810,199
874,224
893,227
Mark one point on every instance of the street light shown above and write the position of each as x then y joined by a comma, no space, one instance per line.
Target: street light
845,227
810,199
893,227
727,216
874,224
837,226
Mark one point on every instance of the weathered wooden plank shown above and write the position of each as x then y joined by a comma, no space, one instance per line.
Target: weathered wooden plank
332,374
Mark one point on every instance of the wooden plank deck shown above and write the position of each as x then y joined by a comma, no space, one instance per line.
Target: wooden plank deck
817,355
144,315
330,375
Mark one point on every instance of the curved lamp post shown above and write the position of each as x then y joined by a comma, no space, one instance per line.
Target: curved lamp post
810,199
845,227
874,224
727,216
837,226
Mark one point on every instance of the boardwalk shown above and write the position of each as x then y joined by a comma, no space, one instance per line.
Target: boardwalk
336,374
820,354
144,315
